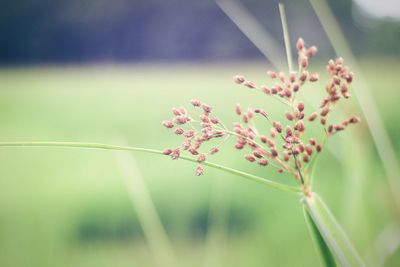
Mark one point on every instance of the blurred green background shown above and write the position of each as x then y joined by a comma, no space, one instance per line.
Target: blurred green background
74,207
71,207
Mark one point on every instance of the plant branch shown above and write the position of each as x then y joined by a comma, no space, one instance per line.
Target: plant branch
248,176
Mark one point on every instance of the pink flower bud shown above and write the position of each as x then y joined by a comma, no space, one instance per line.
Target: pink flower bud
239,79
312,117
167,151
199,171
300,44
201,158
195,102
168,124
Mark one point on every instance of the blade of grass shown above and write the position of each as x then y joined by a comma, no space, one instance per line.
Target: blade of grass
318,241
385,245
332,233
152,226
216,237
254,178
286,38
251,28
365,99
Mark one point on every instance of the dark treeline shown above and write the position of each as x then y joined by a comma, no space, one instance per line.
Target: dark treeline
40,31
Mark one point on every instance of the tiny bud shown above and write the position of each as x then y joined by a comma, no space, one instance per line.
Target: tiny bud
289,116
287,92
312,51
292,76
296,87
274,152
258,153
271,143
303,62
206,108
325,112
183,110
318,148
176,153
304,76
339,61
308,150
346,95
330,129
176,112
312,117
266,89
289,131
201,158
300,44
314,77
272,132
199,171
277,126
264,139
250,84
250,158
187,144
323,121
286,156
312,141
274,91
354,120
168,124
238,109
195,102
272,74
281,76
306,158
349,78
263,162
299,126
336,80
280,170
239,146
193,151
339,128
239,79
214,120
300,106
179,131
214,150
167,151
301,148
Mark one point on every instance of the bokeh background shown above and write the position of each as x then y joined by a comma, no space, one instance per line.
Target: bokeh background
109,71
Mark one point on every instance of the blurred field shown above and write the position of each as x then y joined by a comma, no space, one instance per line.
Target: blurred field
70,207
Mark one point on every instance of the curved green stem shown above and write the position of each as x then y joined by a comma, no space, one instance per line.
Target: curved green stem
251,177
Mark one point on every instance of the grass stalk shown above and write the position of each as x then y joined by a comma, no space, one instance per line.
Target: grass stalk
252,29
254,178
286,37
155,233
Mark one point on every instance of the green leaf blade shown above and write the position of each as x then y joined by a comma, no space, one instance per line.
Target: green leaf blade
331,232
318,240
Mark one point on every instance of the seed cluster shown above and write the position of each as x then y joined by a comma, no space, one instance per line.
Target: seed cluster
284,147
194,138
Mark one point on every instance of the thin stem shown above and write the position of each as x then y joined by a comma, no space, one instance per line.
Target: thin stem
248,176
286,36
